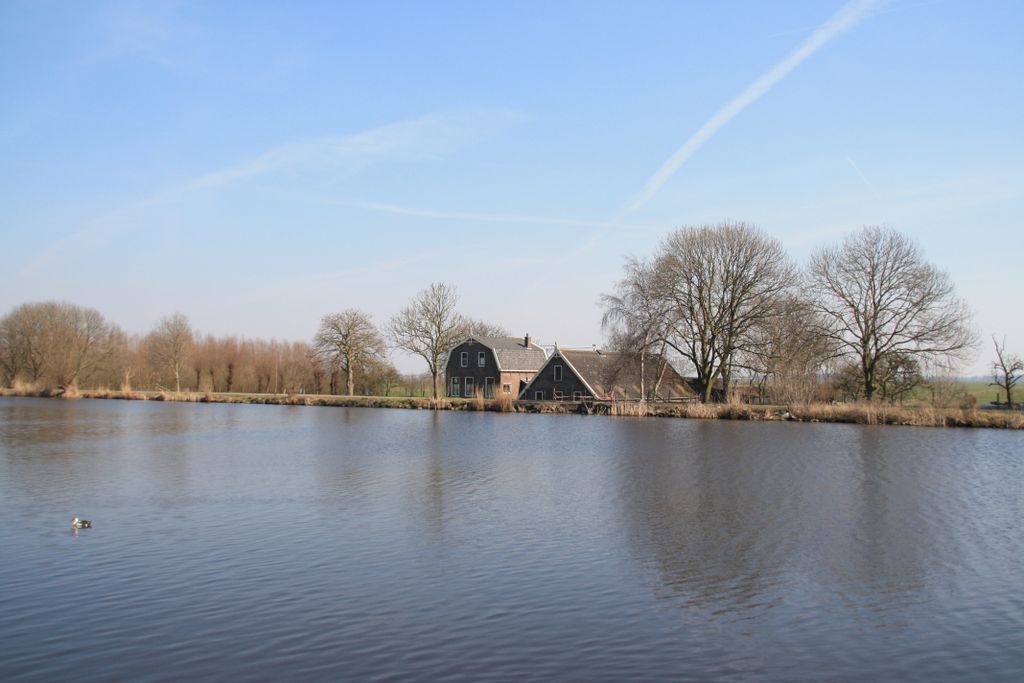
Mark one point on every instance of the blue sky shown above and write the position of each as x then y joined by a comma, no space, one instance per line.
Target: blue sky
257,165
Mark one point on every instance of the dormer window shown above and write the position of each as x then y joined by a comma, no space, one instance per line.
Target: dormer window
464,359
558,373
481,359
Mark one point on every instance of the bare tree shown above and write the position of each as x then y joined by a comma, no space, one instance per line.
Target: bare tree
170,344
787,354
704,294
429,327
1006,370
349,340
635,317
878,297
54,342
482,328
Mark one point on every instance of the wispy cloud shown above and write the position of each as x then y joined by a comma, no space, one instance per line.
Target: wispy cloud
486,217
427,136
843,20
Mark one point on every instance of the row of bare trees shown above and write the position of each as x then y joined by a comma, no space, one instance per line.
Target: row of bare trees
727,301
56,346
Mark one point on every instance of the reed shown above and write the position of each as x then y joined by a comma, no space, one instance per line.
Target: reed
628,409
700,411
502,403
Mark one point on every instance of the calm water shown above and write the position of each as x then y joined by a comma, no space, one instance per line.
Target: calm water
277,543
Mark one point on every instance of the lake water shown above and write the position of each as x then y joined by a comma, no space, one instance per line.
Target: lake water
294,543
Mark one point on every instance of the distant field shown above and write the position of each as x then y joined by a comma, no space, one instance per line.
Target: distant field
985,393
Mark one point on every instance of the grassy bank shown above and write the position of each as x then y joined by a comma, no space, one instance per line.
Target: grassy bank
850,413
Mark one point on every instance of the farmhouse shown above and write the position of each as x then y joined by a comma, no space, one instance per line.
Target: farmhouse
491,364
577,374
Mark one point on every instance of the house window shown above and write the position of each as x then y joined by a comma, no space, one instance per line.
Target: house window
558,373
481,359
488,387
454,391
538,396
464,359
469,387
577,395
507,388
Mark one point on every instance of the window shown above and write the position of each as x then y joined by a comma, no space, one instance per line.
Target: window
558,373
481,359
507,388
538,396
488,387
464,358
577,395
469,387
454,391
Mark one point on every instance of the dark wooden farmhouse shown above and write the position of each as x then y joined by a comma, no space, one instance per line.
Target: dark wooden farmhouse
574,375
491,364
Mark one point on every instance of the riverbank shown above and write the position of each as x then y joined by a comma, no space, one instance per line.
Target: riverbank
847,413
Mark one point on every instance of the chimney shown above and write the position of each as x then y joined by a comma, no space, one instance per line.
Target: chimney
527,340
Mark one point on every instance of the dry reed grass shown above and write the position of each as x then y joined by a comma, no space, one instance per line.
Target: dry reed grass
628,409
700,411
502,403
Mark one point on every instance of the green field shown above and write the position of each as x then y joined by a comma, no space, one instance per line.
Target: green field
986,393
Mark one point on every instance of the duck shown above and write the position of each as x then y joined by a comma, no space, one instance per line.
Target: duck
77,523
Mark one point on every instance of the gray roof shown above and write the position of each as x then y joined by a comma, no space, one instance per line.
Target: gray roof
513,355
618,374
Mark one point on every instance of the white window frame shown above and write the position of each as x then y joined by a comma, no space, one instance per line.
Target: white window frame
506,388
481,359
488,387
464,359
557,370
468,387
538,395
453,388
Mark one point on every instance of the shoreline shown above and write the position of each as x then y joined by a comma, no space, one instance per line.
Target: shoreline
851,413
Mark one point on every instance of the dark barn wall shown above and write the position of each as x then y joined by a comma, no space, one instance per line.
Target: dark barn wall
545,382
479,374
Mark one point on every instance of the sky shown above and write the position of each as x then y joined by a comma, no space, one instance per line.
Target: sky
257,165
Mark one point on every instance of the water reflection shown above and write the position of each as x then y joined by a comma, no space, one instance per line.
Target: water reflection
699,512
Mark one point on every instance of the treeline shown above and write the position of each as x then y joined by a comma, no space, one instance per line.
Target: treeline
868,318
54,346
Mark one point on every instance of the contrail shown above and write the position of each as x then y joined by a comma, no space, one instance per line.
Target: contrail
844,19
859,172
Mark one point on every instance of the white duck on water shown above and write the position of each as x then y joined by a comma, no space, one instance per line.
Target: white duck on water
77,523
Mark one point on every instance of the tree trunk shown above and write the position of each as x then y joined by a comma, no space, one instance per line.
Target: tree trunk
643,385
869,381
350,377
